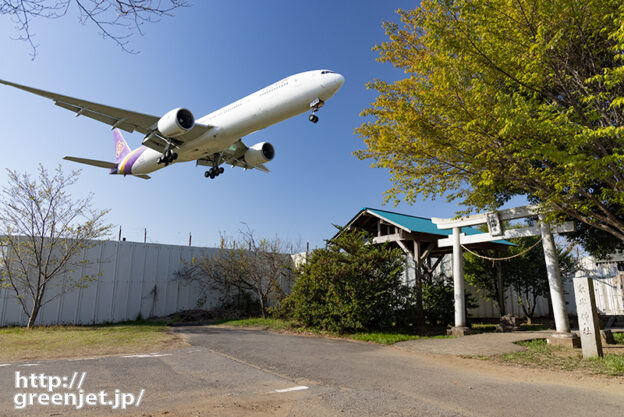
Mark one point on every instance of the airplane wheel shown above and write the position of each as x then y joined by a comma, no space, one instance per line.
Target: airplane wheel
313,118
174,156
206,174
212,175
221,170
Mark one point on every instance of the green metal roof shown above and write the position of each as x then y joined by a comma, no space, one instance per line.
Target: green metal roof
422,224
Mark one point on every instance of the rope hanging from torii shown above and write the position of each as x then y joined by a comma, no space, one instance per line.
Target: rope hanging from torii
505,258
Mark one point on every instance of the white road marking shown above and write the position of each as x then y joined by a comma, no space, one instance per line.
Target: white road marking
29,364
4,364
82,359
148,355
299,388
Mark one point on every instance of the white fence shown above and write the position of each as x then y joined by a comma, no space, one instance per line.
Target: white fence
135,278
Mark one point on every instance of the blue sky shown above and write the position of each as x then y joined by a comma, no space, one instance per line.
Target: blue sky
203,58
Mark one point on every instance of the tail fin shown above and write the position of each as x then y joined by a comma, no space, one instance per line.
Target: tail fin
121,147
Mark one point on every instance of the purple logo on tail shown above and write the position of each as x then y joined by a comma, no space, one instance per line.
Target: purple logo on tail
121,147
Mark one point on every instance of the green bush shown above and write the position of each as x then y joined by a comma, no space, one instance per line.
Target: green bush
351,286
438,301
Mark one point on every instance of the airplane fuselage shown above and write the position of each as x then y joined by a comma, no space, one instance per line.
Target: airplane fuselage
277,102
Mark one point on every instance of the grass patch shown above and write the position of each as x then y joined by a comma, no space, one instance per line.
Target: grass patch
542,355
49,342
619,338
483,327
383,338
491,327
274,324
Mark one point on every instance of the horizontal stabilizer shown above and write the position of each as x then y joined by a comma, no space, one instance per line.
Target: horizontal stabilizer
145,177
262,168
94,162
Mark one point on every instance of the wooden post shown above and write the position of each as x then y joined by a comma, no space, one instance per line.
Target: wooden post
420,314
499,283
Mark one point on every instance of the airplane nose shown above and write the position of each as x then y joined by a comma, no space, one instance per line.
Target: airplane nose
339,81
333,82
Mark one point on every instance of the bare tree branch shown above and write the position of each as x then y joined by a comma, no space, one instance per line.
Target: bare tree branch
116,20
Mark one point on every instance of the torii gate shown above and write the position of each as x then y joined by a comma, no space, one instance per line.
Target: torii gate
496,232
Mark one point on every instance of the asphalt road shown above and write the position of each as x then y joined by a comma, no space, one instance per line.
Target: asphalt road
235,372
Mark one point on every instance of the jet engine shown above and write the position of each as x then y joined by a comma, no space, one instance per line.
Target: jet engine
259,154
176,122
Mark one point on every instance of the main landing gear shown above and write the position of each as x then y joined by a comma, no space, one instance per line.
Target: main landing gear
168,157
214,172
315,106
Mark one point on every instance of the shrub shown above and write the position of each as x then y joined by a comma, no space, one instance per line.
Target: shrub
438,300
351,285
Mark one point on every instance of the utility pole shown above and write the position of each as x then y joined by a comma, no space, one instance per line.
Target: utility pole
190,238
119,238
145,235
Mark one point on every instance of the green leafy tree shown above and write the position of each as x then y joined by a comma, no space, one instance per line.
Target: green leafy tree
43,233
351,285
481,274
526,273
506,98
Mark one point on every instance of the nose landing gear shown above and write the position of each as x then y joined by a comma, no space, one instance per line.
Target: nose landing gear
315,106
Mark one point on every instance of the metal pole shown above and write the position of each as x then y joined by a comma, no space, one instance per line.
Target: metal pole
145,235
119,238
554,278
458,280
190,237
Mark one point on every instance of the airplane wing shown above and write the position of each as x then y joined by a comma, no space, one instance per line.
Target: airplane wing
234,155
117,118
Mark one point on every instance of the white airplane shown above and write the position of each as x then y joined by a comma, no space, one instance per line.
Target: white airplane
214,139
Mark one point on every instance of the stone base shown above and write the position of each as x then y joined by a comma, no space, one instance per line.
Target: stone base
564,339
607,337
459,331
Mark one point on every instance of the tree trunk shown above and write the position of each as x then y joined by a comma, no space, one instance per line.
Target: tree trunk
36,307
33,314
262,304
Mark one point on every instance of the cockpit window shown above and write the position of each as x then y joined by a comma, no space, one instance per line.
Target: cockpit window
327,72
